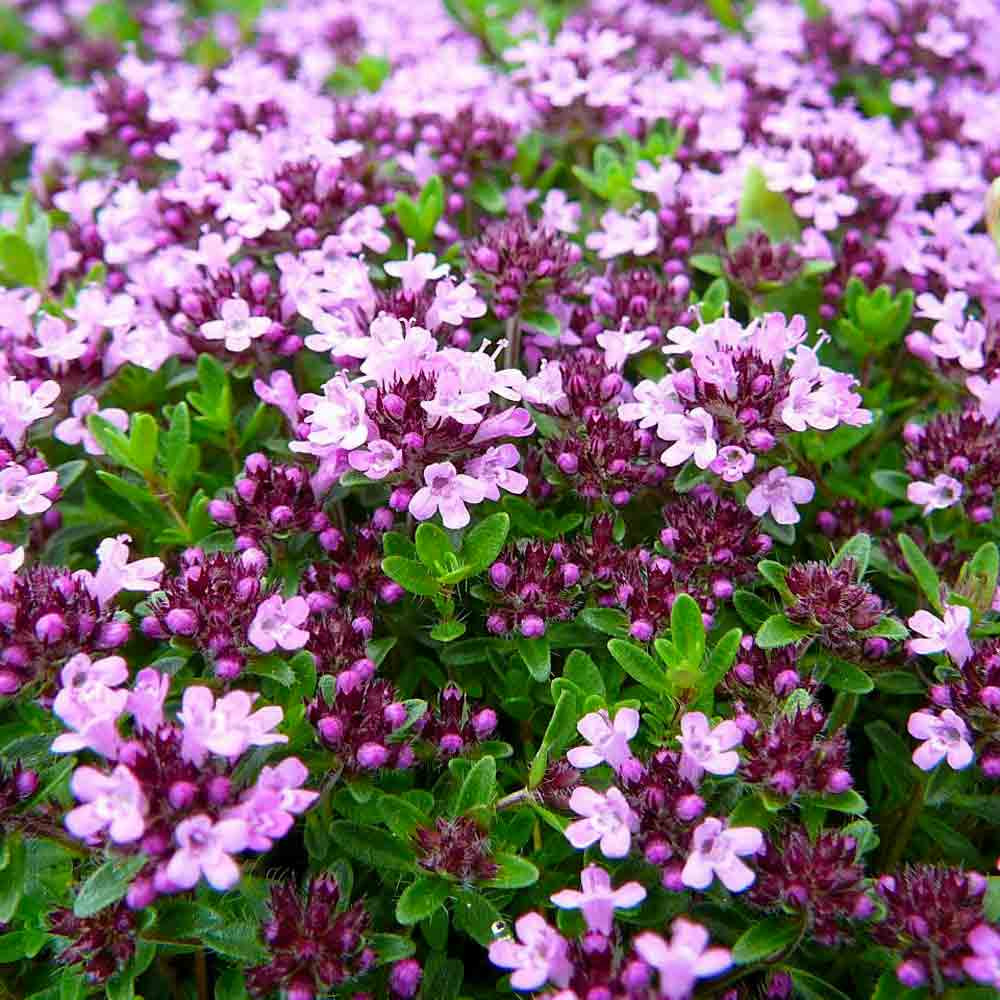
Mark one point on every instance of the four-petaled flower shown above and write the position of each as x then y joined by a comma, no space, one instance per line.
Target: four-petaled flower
778,493
113,802
598,901
447,491
539,955
684,959
946,737
22,492
205,848
607,739
706,749
608,818
949,634
237,328
942,493
984,963
716,851
225,727
277,622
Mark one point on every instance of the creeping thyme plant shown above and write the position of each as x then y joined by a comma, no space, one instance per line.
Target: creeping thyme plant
499,498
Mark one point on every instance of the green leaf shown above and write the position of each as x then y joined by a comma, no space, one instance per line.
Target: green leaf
442,978
893,483
421,899
484,542
923,572
778,631
986,807
143,442
687,630
112,441
21,944
844,676
542,321
775,575
558,733
107,885
515,872
18,263
858,549
639,665
479,786
475,915
390,948
978,578
752,609
448,631
537,657
371,846
431,207
433,547
892,754
811,987
485,192
582,671
888,628
761,208
410,575
763,939
12,876
610,621
230,985
846,802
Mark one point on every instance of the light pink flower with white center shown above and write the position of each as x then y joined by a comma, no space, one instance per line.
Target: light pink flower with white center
733,463
362,229
22,492
684,960
988,394
113,802
115,573
964,344
984,964
277,622
259,211
538,956
622,234
693,434
716,851
204,849
946,737
651,402
496,469
74,430
10,563
214,252
378,459
941,38
416,270
447,491
563,84
660,180
620,345
453,399
598,901
287,779
237,328
706,749
90,704
950,309
778,493
225,727
280,391
58,343
270,807
949,634
940,494
607,818
396,351
608,741
791,172
559,213
94,310
454,304
546,388
145,700
21,406
826,204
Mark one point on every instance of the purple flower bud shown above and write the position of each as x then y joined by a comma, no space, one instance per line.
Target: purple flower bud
863,907
363,625
451,744
981,514
181,621
26,784
246,489
181,794
876,648
301,989
532,627
331,539
568,463
761,440
281,516
722,589
141,893
390,592
400,498
8,613
394,714
113,634
372,755
636,976
641,630
331,729
783,782
50,628
658,852
484,723
254,560
155,843
689,807
912,973
229,667
404,757
405,977
500,575
671,879
827,523
839,781
218,789
496,624
222,511
9,682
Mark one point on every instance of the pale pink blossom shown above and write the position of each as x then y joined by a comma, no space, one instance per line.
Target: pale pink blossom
826,204
619,345
10,563
496,469
715,853
113,802
778,493
660,180
89,703
454,304
277,622
447,491
364,228
949,634
455,399
607,740
693,434
559,213
621,234
539,955
733,463
226,727
21,406
60,344
940,494
598,900
416,270
115,573
988,394
146,699
337,418
964,343
378,459
22,492
270,807
608,819
983,965
74,430
946,737
706,749
237,328
683,960
205,849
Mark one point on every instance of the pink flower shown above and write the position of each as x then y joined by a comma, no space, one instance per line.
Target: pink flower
453,304
988,394
559,213
622,234
114,802
706,749
205,849
684,960
280,392
538,956
963,343
693,434
608,819
618,345
22,492
447,491
495,470
716,851
945,737
116,573
950,634
73,430
984,964
416,271
377,459
237,328
277,622
608,740
226,727
270,807
338,416
944,492
732,463
60,344
826,204
10,563
778,493
90,704
145,700
598,901
21,406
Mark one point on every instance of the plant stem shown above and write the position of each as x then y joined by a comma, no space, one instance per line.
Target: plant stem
512,352
201,974
902,833
514,799
844,707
